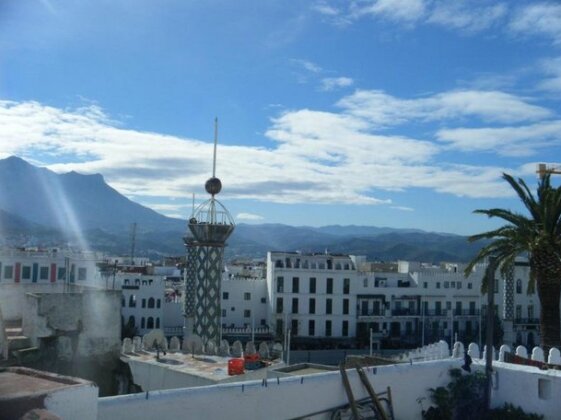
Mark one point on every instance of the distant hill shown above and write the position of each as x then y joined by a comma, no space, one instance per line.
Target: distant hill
38,207
71,200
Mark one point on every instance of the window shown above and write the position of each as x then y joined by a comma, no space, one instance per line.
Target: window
294,327
142,323
365,282
263,300
295,284
329,286
279,327
8,272
158,303
247,296
328,328
459,285
144,303
280,284
311,327
263,322
470,286
150,323
530,311
518,286
132,301
247,313
345,306
448,305
328,306
346,286
294,305
279,305
123,301
44,273
345,329
518,312
446,285
157,322
82,273
26,272
438,285
312,306
151,302
312,284
425,285
223,313
225,295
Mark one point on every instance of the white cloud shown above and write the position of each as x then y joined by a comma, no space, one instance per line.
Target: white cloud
464,16
332,83
402,208
249,217
538,19
552,68
325,9
506,141
307,65
381,109
395,10
319,157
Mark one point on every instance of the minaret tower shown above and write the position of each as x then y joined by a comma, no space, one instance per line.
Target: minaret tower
210,226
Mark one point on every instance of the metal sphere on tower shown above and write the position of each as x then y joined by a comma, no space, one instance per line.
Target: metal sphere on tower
213,186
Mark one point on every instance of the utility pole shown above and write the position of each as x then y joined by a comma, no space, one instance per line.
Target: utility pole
490,275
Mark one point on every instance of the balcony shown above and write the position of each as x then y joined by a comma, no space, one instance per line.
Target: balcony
527,321
405,312
466,312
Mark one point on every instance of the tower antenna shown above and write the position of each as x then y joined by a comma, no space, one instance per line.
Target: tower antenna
215,144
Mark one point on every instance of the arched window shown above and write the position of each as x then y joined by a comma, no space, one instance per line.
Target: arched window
288,263
151,302
126,281
158,303
132,301
142,323
144,282
150,323
123,301
132,321
137,282
157,322
519,286
144,303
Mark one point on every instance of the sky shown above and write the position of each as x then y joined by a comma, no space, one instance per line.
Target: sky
399,113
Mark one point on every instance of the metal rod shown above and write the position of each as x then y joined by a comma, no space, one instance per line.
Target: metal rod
370,341
215,143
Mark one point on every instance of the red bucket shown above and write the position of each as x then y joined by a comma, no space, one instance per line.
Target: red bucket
236,367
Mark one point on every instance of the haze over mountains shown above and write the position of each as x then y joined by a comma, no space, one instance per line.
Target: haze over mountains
40,208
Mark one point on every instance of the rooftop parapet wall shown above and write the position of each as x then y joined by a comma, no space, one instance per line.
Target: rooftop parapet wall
281,398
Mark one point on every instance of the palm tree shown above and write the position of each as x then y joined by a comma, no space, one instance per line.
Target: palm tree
539,237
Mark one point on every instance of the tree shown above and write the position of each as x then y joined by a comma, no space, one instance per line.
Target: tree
538,236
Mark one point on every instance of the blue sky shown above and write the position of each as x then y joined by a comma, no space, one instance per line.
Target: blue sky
400,113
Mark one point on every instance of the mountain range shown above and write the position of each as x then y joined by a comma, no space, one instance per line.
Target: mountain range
41,208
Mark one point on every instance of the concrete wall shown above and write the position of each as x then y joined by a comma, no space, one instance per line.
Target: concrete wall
93,316
12,297
536,391
282,398
73,403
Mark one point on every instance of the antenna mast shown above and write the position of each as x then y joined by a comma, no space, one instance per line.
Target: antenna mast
215,144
